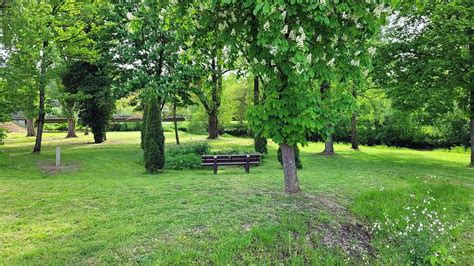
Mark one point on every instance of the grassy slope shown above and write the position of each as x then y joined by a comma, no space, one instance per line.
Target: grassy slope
110,210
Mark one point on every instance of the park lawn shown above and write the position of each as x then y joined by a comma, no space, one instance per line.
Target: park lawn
103,208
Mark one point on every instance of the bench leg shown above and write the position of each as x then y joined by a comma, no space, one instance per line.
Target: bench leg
215,166
247,165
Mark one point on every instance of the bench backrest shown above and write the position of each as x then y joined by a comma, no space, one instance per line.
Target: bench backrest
253,158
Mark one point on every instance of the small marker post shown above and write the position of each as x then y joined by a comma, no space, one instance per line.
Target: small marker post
58,156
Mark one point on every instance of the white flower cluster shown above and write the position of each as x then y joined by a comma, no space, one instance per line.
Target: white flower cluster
266,26
301,38
331,62
355,62
419,222
381,9
372,51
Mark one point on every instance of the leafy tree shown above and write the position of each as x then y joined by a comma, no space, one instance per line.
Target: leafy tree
44,30
297,46
96,104
425,62
154,152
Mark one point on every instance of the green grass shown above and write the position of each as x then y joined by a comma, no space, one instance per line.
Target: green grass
106,209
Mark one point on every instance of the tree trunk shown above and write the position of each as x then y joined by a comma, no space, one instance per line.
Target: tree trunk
472,127
71,128
86,131
329,146
292,184
354,136
213,125
30,127
42,96
175,124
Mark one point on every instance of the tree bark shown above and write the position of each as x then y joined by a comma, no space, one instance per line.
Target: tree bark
292,184
71,128
42,92
213,125
86,131
354,136
175,124
329,146
472,127
30,127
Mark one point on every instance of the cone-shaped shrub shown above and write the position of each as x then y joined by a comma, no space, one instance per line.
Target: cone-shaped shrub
260,144
154,150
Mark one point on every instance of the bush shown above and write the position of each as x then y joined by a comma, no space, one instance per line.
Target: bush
3,135
297,157
180,161
125,126
233,151
260,144
186,156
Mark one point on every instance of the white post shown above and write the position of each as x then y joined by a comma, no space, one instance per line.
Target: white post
58,156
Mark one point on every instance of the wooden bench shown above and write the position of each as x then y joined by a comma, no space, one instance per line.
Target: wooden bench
246,159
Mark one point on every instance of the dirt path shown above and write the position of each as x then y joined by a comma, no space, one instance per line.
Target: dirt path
12,127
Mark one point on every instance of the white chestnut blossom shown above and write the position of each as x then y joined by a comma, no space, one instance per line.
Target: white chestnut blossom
355,62
285,29
331,62
357,53
266,26
372,51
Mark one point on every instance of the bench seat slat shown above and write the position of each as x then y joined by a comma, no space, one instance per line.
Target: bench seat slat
230,163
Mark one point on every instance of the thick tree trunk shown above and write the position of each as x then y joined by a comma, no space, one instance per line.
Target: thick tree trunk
213,125
71,128
30,127
292,184
329,146
86,131
175,125
354,136
472,127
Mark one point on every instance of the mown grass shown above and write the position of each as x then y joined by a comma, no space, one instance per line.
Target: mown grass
106,209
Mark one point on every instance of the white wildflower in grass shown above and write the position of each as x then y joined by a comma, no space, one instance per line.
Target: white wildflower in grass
331,62
266,26
285,29
417,230
372,51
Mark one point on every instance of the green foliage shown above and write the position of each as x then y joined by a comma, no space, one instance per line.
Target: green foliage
186,156
298,163
260,145
154,146
415,226
96,104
